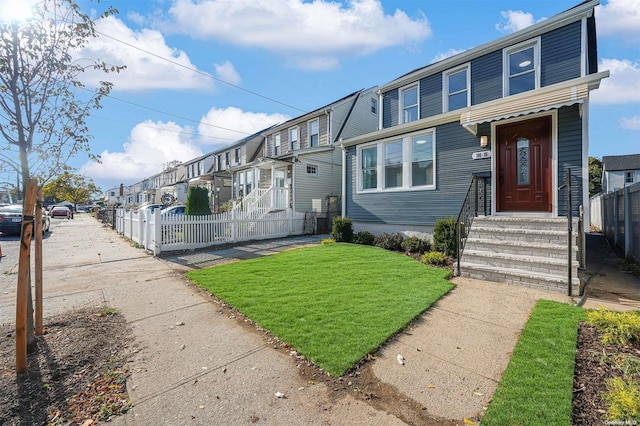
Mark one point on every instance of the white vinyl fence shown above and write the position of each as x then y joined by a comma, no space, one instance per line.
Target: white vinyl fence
618,216
158,233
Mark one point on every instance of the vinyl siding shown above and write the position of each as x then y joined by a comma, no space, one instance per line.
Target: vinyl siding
431,95
390,101
454,168
361,120
570,156
486,78
560,54
307,187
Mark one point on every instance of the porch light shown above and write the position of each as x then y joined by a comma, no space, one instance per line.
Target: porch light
484,141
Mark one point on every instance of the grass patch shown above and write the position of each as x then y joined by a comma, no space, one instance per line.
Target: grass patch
537,386
333,303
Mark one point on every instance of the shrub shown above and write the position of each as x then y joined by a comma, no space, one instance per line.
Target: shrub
623,399
328,241
444,236
617,328
364,237
197,202
342,230
416,245
435,258
391,242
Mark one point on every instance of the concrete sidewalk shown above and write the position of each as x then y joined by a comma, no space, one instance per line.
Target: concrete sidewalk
215,370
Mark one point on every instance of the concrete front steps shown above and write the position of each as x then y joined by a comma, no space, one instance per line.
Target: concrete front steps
527,251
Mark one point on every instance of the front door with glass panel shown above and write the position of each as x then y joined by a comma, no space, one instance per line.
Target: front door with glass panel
524,166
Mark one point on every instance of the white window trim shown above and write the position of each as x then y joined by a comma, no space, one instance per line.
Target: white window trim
371,105
406,164
297,140
277,148
316,174
401,101
445,85
535,43
309,131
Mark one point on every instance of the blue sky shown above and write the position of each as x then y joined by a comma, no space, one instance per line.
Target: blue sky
286,57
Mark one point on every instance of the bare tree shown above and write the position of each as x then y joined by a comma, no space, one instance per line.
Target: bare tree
43,102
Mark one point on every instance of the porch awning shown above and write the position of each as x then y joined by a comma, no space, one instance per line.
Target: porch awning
523,106
201,179
547,98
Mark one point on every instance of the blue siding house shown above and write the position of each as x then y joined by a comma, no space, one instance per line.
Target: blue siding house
490,132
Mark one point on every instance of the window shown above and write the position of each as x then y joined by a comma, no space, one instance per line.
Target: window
521,68
276,144
369,167
237,156
312,169
456,88
227,162
219,162
374,105
314,132
113,193
407,164
393,164
293,138
409,102
628,177
422,160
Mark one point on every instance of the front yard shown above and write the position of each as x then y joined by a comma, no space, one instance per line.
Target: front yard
333,303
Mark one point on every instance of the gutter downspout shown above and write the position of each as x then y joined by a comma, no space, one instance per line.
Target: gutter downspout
343,196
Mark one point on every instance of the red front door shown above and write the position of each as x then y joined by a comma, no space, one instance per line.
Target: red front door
524,166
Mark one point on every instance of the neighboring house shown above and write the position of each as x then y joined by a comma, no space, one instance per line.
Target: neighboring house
619,171
235,155
116,196
197,174
514,113
300,168
173,189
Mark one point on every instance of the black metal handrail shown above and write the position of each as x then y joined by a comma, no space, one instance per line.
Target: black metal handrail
470,207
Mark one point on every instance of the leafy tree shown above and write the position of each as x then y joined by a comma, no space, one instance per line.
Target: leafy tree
197,202
70,187
595,176
43,102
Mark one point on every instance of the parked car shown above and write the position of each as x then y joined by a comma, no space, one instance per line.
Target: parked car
11,220
173,210
151,207
60,211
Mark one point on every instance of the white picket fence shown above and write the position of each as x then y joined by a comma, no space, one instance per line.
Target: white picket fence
158,233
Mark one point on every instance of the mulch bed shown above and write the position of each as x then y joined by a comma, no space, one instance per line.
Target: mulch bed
75,374
591,373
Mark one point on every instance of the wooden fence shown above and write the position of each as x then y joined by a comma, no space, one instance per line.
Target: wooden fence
158,233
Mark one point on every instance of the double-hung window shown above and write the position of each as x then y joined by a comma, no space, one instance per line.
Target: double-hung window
219,162
276,144
369,167
628,177
226,159
237,156
314,132
456,88
522,67
409,103
405,164
293,138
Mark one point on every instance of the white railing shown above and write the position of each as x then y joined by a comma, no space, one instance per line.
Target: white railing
158,233
261,201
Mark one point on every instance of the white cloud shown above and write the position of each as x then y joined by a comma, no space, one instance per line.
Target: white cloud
144,71
294,27
150,145
619,18
227,72
229,119
632,123
444,55
515,20
623,86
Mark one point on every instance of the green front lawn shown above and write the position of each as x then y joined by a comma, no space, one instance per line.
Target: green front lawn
333,303
537,386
